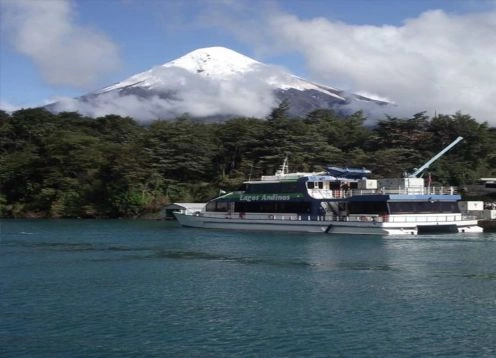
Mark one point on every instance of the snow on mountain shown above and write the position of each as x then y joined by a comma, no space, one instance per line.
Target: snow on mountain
218,63
209,82
215,62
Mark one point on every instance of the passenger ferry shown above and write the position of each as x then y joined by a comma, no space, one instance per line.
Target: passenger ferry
336,201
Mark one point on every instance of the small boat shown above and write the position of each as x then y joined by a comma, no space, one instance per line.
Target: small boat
336,201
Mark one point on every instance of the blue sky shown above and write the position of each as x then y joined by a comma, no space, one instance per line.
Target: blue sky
409,51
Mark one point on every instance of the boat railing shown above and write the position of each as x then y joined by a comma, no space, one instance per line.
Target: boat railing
403,191
370,218
341,194
406,218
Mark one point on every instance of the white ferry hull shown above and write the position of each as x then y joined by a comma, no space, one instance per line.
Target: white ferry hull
469,226
329,226
251,224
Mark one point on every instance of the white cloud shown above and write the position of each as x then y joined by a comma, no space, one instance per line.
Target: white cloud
65,52
436,62
8,107
195,95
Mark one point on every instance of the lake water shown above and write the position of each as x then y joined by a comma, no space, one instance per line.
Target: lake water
121,288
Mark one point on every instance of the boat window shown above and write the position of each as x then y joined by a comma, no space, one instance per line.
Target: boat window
321,185
210,206
424,207
221,206
273,207
368,207
216,206
310,185
289,187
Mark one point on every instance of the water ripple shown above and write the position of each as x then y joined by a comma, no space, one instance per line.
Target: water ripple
129,288
148,253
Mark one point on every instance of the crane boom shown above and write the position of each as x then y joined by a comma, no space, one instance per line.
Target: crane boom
434,158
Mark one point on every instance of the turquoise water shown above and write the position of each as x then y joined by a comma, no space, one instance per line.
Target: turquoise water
118,288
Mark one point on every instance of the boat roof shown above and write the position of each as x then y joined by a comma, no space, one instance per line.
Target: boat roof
331,174
297,176
349,173
285,176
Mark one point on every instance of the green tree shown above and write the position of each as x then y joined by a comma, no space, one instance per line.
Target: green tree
406,133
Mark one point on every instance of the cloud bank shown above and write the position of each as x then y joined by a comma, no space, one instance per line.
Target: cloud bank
187,93
66,53
436,62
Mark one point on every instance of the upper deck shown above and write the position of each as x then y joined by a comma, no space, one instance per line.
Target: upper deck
404,192
323,186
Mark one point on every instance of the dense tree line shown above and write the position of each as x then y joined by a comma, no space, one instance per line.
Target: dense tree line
67,165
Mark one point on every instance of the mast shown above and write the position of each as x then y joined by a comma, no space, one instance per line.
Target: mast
284,167
434,158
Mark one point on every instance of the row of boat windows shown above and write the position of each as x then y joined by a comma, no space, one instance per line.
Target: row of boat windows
274,207
333,185
217,206
410,207
368,207
262,207
424,207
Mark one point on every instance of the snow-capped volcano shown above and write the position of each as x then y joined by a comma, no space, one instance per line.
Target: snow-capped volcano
217,63
221,64
209,82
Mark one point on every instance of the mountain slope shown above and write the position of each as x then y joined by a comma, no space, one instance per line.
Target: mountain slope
213,82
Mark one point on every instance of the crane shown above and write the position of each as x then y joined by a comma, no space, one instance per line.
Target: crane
434,158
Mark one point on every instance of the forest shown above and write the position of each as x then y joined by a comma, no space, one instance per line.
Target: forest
70,166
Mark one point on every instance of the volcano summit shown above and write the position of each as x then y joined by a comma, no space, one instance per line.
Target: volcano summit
213,83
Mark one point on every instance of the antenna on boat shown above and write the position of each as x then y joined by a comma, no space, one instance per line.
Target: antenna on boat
285,166
284,169
434,158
